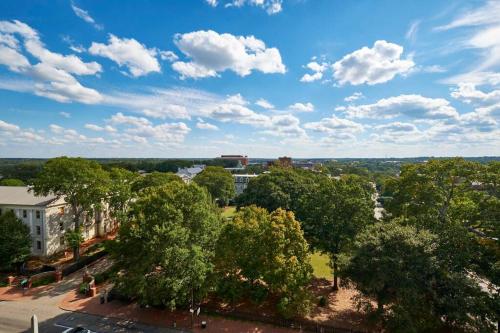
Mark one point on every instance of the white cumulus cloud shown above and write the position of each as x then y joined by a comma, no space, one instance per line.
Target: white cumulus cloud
264,104
211,53
302,107
53,76
413,106
375,65
130,53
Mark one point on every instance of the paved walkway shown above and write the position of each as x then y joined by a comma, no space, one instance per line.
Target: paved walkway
17,306
164,318
68,283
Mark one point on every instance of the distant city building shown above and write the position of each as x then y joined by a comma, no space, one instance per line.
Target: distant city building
49,218
187,174
241,182
284,162
307,165
242,159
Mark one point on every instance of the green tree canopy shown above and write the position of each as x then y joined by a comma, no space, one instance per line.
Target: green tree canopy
154,179
280,188
82,183
15,240
219,183
404,271
11,182
441,196
334,212
165,249
120,191
444,189
268,248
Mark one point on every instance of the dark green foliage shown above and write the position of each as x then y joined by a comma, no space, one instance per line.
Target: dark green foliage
43,281
166,246
404,270
154,179
120,192
15,240
219,183
281,188
334,212
82,183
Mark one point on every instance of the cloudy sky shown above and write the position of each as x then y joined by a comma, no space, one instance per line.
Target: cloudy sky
200,78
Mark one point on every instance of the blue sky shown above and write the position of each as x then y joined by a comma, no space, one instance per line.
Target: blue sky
200,78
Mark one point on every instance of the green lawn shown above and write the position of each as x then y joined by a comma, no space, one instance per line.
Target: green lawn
229,211
320,264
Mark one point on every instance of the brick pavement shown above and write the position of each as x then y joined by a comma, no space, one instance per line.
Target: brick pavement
91,305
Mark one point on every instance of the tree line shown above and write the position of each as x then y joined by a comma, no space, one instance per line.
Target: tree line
431,263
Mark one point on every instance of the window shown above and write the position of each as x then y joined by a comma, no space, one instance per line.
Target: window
25,213
61,240
61,226
61,210
38,230
38,245
38,214
0,211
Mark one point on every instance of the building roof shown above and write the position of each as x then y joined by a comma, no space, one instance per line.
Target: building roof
22,196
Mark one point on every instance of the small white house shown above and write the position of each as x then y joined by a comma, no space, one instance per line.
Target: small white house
241,182
48,218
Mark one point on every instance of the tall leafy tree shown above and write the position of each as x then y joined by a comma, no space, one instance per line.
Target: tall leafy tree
457,200
82,183
269,248
429,190
334,212
219,183
15,240
280,188
120,191
165,248
154,179
403,269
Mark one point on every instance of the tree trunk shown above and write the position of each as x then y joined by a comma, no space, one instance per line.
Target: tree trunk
335,277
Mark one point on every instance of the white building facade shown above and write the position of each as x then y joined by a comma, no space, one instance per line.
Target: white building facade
49,218
187,174
241,182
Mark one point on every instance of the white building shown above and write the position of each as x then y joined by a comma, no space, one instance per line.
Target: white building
48,218
187,174
241,182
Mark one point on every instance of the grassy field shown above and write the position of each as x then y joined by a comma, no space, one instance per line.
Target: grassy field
320,266
229,211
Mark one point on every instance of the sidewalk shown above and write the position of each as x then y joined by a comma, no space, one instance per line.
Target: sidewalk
68,283
132,312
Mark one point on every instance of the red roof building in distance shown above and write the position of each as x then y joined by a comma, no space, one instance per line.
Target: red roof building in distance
243,159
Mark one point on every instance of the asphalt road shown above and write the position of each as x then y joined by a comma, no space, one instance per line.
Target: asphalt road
15,317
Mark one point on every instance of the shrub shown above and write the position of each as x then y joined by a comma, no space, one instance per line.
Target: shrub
105,276
43,281
84,287
258,294
230,289
297,303
322,301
